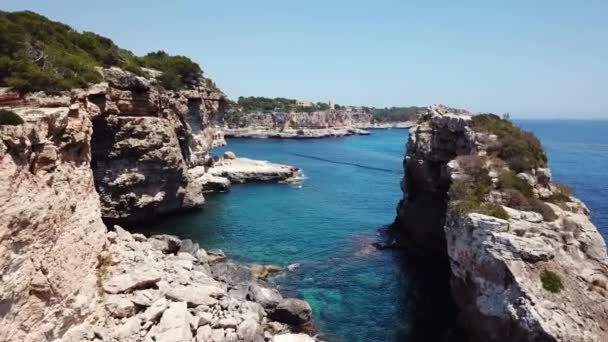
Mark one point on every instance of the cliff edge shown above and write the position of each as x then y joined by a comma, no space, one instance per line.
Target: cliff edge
526,263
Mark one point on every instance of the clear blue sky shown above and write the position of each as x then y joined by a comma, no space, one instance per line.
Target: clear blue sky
531,58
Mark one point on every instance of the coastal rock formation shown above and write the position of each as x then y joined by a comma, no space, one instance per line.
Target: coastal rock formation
66,278
245,170
145,139
292,125
526,263
51,231
157,294
230,169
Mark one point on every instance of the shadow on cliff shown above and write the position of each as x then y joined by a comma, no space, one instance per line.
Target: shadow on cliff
425,300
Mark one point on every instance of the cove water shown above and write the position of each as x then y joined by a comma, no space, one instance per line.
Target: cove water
328,225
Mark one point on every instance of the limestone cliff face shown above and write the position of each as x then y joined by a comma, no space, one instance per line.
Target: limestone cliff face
50,228
65,277
497,264
282,121
432,144
144,140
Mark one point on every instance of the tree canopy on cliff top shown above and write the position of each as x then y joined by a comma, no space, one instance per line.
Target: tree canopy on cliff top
281,104
39,54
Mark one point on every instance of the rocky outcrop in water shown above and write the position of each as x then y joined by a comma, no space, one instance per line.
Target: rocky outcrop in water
525,274
295,125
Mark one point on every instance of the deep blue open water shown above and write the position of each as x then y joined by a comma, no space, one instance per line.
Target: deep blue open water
329,222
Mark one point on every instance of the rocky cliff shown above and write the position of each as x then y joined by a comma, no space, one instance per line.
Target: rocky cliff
51,231
526,263
144,140
122,151
295,124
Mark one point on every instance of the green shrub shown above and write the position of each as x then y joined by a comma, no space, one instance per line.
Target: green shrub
178,71
8,117
521,150
509,180
543,209
492,209
516,200
40,54
551,281
395,114
469,195
561,194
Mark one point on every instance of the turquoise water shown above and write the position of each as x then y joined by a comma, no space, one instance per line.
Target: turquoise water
328,225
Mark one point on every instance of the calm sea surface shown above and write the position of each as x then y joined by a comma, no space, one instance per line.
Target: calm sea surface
328,223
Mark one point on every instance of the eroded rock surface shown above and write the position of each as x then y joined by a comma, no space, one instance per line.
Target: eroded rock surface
183,297
292,125
496,264
145,139
245,170
51,231
63,276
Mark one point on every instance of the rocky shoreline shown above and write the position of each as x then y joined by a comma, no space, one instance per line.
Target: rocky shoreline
165,289
123,151
230,169
387,125
536,274
316,133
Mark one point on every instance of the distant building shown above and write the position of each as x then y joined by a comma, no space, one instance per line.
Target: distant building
332,105
301,103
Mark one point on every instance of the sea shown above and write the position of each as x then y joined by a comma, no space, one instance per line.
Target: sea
326,226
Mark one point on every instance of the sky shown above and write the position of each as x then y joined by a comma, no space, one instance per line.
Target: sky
531,58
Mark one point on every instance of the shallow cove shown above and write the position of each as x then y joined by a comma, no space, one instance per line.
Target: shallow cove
327,224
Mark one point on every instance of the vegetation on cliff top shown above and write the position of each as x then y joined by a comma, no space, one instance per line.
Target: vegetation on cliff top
39,54
395,114
8,117
281,104
521,150
470,194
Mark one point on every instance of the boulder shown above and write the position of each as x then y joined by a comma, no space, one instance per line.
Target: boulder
292,311
125,80
268,298
216,255
231,273
154,312
168,244
249,330
119,306
263,271
229,155
195,294
190,247
137,278
203,334
174,325
129,328
292,338
145,297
